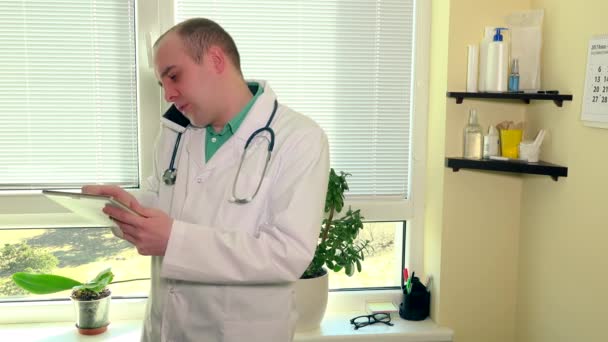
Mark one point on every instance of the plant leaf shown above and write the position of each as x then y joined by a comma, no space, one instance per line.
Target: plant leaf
99,282
349,269
104,276
43,283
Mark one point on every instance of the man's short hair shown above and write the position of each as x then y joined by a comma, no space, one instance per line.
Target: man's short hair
198,34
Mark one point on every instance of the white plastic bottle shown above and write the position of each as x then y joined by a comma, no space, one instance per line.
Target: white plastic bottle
472,137
472,68
491,142
483,64
497,64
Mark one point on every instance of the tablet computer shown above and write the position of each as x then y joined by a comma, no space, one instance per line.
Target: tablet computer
88,206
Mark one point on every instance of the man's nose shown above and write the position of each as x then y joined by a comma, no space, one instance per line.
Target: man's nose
170,94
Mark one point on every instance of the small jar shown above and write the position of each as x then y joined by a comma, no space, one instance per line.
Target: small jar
528,151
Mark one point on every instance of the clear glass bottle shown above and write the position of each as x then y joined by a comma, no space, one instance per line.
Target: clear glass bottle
473,137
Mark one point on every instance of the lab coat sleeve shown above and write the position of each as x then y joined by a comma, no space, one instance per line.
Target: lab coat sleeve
147,195
285,245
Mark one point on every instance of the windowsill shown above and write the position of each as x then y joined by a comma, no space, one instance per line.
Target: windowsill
335,328
55,322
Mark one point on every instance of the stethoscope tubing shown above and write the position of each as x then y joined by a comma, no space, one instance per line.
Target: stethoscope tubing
170,174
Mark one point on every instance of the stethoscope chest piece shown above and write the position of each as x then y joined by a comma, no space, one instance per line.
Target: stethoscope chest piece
169,176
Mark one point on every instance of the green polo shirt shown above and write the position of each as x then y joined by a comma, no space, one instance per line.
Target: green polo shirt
214,140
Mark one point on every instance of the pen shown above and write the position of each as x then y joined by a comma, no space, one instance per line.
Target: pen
405,274
408,285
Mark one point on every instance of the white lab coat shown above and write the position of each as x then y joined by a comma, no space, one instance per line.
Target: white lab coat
229,269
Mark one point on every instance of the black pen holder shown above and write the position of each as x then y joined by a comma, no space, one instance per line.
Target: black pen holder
416,305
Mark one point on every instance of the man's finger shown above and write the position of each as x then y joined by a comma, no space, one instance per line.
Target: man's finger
141,210
108,190
122,215
130,238
128,229
91,189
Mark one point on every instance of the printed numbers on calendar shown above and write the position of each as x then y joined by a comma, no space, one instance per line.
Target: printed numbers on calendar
595,98
598,87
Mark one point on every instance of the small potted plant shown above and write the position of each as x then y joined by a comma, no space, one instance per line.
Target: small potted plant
338,249
91,300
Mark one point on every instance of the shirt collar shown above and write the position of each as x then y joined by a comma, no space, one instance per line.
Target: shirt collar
233,125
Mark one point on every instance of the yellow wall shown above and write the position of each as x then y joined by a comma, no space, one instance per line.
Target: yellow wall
564,225
518,258
472,217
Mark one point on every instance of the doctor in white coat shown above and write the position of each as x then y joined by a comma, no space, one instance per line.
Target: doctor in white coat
223,270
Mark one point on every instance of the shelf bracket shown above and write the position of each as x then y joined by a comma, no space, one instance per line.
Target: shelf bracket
558,103
459,100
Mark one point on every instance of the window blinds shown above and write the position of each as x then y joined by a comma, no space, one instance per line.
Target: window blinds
68,93
345,63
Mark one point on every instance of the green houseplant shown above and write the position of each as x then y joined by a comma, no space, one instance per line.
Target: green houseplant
91,299
338,249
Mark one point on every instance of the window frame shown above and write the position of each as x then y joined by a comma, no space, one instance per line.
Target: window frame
153,17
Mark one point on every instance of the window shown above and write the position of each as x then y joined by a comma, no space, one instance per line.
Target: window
78,253
68,94
350,65
69,99
345,63
382,259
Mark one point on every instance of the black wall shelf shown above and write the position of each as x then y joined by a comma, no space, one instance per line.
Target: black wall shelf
514,166
526,97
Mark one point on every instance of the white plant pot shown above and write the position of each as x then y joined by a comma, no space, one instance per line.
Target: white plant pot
311,302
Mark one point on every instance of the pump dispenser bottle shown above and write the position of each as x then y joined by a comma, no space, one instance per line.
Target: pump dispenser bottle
497,65
473,138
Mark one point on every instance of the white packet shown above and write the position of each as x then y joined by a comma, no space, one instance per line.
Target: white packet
526,45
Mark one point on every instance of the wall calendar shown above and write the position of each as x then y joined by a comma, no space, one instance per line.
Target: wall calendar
595,99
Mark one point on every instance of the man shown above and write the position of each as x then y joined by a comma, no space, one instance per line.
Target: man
225,252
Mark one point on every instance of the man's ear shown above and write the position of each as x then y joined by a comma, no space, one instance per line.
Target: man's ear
217,58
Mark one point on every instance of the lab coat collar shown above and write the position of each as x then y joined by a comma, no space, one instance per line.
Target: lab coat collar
258,114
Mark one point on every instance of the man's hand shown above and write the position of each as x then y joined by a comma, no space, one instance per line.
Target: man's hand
149,232
117,192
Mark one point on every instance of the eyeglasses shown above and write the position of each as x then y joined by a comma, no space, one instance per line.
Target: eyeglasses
362,321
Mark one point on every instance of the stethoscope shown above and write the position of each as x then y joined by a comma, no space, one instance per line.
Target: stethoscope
170,174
